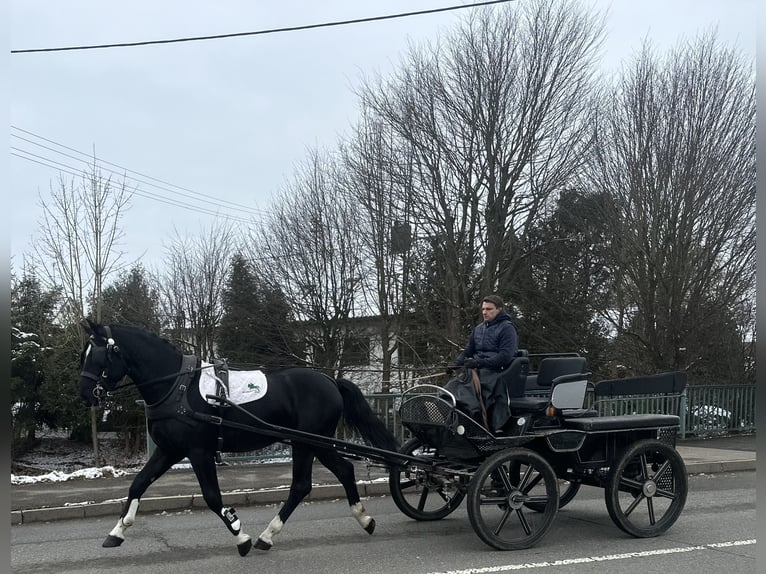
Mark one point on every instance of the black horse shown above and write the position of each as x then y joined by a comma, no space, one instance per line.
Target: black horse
297,398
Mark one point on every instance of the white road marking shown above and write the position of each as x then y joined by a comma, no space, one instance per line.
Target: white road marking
604,558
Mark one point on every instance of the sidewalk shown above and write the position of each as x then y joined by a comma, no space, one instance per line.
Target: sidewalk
262,484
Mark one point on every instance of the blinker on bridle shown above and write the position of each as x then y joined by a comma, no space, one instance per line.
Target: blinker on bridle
100,355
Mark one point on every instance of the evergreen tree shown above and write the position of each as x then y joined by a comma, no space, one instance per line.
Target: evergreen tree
130,300
32,331
564,289
254,330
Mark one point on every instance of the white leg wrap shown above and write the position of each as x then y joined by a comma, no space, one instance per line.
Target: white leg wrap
125,521
357,510
231,517
274,527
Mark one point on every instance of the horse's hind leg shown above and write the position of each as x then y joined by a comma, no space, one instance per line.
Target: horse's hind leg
156,466
303,459
207,475
344,470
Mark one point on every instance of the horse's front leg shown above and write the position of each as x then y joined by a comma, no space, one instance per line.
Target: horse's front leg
157,465
204,467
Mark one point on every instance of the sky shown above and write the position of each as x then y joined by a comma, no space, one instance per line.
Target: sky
221,125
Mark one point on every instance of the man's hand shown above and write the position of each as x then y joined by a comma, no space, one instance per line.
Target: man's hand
471,363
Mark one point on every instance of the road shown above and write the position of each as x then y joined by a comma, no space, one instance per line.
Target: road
715,534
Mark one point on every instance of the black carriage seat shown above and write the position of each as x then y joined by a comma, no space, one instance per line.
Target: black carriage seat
668,386
552,371
515,376
510,383
621,422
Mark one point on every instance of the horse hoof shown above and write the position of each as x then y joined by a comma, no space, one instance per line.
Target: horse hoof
261,544
370,528
112,541
244,547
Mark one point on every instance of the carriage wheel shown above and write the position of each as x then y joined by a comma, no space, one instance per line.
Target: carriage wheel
646,489
500,493
422,495
568,489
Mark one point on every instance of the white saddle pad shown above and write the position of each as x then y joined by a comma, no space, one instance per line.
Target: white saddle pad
244,386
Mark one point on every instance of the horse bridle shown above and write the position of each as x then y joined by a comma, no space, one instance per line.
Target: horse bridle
101,356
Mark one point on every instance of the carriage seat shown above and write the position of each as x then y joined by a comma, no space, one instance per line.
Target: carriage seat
553,371
668,384
515,376
621,422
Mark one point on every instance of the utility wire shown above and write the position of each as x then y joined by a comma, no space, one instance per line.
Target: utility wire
261,32
215,200
73,171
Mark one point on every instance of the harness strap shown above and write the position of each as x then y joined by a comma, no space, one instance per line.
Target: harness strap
168,409
221,372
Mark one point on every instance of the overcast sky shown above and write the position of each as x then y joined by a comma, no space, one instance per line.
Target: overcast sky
229,119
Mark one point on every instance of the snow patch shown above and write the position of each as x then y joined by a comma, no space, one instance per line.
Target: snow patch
59,476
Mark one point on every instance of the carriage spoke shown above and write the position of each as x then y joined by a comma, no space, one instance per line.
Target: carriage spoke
524,482
524,523
636,501
503,520
665,494
650,506
493,500
423,498
408,484
539,499
630,483
532,483
644,464
505,478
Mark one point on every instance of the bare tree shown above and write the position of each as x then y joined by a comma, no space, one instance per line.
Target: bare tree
80,235
676,154
376,175
78,246
193,282
309,248
497,118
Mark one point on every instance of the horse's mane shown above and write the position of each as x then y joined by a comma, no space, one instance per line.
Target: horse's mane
150,334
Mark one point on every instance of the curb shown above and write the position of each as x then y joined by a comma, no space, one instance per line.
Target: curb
266,497
178,503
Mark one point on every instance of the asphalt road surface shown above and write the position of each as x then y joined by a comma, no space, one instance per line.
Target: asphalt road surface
715,534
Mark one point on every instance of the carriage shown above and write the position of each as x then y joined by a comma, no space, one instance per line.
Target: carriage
517,478
563,432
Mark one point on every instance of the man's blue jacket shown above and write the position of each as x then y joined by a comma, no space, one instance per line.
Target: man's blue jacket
492,343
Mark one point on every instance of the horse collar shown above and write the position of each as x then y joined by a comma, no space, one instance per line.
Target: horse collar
165,408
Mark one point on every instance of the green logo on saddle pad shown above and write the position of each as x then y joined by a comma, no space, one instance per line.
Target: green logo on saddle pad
253,387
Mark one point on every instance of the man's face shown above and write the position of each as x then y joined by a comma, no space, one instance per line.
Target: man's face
489,311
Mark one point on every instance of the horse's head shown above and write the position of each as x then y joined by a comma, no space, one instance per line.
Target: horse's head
102,365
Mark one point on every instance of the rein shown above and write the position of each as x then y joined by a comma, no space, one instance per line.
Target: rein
155,380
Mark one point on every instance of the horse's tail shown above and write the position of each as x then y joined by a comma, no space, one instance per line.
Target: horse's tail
358,413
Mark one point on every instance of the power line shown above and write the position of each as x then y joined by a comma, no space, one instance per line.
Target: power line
261,32
73,171
215,200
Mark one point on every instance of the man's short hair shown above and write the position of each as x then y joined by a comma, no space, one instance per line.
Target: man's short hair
495,300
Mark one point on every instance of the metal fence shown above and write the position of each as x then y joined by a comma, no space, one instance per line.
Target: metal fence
705,410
